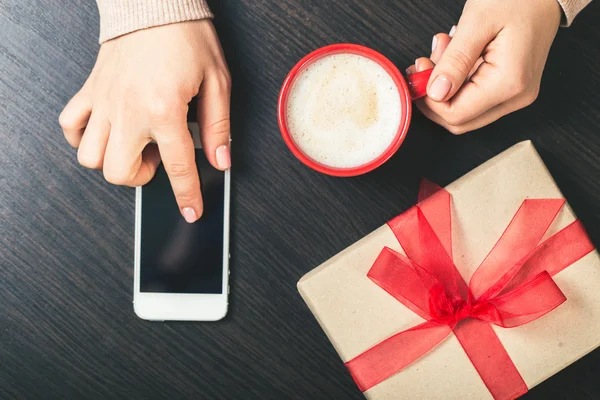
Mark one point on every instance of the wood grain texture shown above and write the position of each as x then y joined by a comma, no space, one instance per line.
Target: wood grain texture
67,327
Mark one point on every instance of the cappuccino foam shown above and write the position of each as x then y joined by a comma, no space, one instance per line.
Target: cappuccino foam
343,110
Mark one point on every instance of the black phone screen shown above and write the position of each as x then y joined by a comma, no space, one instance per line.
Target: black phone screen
177,257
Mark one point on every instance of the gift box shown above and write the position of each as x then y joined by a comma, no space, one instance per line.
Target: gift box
482,290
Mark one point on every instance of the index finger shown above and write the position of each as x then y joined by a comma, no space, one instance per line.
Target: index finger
177,152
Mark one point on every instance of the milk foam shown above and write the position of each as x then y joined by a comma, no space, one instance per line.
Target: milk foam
343,110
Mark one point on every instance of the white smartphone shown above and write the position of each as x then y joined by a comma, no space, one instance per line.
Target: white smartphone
181,269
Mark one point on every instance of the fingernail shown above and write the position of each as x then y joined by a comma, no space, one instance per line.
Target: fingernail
189,214
223,157
417,65
408,71
433,43
452,31
439,88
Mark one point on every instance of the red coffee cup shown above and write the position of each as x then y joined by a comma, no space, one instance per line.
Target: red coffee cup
410,88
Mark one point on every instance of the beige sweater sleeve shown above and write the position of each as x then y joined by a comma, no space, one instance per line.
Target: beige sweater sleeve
118,17
571,8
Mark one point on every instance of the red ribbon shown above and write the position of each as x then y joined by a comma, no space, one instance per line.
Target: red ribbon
512,286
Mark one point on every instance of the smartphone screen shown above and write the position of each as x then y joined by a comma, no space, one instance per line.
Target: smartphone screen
177,257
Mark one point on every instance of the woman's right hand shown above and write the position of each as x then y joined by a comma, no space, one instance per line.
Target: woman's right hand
492,65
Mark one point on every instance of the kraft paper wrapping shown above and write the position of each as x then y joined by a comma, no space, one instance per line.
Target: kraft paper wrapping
356,314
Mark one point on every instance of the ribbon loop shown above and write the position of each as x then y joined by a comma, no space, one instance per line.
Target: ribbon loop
411,285
519,240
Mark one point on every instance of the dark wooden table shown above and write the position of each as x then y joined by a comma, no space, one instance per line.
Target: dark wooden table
67,327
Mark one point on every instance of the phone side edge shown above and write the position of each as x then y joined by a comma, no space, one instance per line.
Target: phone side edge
137,247
226,239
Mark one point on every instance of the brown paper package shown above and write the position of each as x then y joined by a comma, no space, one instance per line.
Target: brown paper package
356,314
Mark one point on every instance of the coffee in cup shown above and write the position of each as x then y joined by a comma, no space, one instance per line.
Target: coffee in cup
344,109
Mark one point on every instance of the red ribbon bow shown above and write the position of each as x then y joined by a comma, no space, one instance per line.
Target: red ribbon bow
512,286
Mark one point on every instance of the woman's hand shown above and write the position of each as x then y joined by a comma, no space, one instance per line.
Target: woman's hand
491,64
139,91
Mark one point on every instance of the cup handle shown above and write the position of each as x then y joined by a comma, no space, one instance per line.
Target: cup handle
417,83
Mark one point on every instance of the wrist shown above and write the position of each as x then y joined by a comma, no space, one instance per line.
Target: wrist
552,12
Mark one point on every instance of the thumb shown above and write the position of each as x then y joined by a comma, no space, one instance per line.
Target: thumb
213,117
458,59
